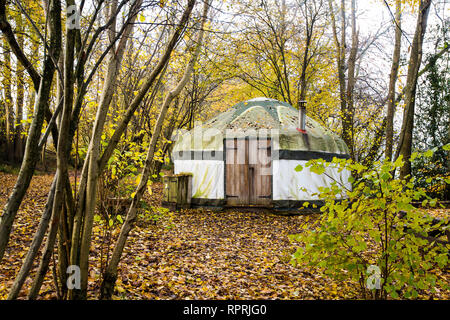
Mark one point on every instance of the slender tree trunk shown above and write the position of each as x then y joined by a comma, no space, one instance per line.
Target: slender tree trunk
310,16
303,75
392,82
349,114
8,102
31,155
35,245
346,117
18,146
8,33
111,270
406,134
64,145
109,86
146,86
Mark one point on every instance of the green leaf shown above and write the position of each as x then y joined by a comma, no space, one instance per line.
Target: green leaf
428,153
385,176
318,169
394,294
414,155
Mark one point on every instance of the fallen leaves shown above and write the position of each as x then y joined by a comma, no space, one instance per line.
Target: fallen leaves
204,255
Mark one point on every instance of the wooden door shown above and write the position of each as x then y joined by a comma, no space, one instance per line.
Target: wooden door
260,172
236,171
248,172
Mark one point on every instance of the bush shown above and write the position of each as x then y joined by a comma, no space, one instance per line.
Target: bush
374,235
431,173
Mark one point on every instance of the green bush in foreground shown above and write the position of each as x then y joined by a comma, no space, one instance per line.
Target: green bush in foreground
374,235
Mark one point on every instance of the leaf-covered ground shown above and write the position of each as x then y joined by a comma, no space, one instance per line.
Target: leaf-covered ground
192,254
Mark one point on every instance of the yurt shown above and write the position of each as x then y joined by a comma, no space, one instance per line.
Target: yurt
247,155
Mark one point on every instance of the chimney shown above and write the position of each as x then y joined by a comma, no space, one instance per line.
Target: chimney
302,116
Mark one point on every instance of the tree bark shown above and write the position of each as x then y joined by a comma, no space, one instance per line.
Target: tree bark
405,144
62,160
31,155
351,80
116,56
18,140
146,86
5,27
111,270
346,116
35,245
8,102
392,82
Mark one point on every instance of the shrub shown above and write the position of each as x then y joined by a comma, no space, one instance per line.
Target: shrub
373,234
432,173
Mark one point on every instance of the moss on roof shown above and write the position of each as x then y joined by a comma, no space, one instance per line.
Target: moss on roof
251,118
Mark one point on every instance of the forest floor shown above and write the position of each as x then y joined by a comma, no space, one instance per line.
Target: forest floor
190,254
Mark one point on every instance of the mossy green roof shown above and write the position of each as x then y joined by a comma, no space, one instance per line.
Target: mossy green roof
250,118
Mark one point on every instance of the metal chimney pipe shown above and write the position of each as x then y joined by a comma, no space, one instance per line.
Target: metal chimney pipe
302,116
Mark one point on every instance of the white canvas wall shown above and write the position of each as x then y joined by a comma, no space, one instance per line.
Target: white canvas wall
208,177
287,182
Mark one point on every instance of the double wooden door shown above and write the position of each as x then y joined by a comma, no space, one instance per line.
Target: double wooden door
248,172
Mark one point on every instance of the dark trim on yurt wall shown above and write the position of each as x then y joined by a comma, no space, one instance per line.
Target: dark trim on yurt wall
199,155
294,204
307,155
203,202
291,206
276,155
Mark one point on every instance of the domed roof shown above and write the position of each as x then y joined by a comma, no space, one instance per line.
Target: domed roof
279,119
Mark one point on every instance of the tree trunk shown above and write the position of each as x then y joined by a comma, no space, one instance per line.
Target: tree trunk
392,82
157,165
18,141
310,15
116,56
340,44
8,102
35,245
349,114
405,144
146,86
64,144
31,155
111,270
